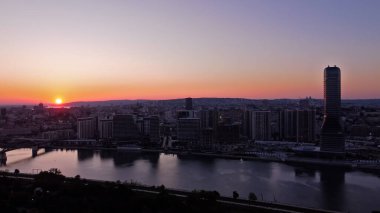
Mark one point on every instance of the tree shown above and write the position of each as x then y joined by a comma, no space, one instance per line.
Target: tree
235,195
55,171
51,179
162,188
252,196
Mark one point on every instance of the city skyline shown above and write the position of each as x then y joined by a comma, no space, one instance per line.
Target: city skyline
189,105
90,51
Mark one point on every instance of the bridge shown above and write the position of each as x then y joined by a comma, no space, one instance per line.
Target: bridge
19,143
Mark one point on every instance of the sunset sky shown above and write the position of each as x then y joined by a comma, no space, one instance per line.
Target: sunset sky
160,49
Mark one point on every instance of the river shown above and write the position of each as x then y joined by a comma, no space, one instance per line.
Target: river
321,187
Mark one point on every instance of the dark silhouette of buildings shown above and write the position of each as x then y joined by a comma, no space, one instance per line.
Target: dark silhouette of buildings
297,125
209,125
3,112
260,125
124,127
189,130
105,128
332,139
152,128
257,125
87,128
228,133
185,114
189,103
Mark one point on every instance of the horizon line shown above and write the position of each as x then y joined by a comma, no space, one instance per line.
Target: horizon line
170,99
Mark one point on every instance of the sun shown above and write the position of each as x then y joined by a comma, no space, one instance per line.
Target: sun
58,101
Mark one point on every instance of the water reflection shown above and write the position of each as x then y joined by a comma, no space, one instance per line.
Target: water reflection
304,172
84,154
333,188
106,154
120,158
331,184
321,187
3,158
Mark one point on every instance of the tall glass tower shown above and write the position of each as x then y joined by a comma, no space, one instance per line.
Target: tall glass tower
332,139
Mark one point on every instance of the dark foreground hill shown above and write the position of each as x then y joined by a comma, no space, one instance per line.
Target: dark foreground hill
52,192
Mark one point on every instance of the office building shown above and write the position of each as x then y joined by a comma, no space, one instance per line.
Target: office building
151,128
247,124
105,128
297,125
124,127
87,128
209,124
189,130
228,133
189,104
332,139
186,114
261,125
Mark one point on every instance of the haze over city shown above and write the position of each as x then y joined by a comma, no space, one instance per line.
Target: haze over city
102,50
217,106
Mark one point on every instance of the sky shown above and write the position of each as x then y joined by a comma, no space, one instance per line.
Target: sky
81,50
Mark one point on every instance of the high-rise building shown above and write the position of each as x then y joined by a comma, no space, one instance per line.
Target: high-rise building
228,133
105,128
332,139
124,127
297,125
288,125
189,130
151,128
189,103
3,112
209,124
87,128
247,124
186,114
261,125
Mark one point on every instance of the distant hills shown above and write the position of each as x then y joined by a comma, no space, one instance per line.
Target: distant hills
196,101
220,102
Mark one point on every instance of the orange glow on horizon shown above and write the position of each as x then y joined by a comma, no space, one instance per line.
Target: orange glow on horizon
253,85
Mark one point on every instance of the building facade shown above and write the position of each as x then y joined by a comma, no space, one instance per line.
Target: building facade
332,138
298,125
189,104
124,127
105,128
261,125
87,128
189,130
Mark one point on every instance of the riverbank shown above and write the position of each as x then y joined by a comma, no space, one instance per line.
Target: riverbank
52,186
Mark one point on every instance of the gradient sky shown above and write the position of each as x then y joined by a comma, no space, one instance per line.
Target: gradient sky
160,49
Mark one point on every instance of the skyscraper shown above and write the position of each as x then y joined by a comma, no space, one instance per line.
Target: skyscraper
297,125
261,129
189,103
332,139
209,124
124,127
152,125
189,130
